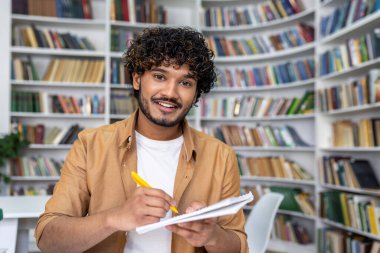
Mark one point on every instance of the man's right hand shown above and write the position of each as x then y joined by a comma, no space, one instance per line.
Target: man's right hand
145,206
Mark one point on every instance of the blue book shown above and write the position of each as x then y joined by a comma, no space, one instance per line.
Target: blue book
258,79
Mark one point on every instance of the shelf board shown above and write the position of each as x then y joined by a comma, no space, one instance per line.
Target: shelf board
254,119
56,84
291,213
350,71
350,229
308,82
136,25
51,51
354,109
352,149
121,86
280,246
309,47
251,28
34,178
297,214
354,27
56,20
277,180
56,115
116,54
50,146
287,149
353,190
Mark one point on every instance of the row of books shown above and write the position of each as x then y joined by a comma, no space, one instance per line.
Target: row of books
272,166
365,90
251,106
54,8
269,75
352,210
337,241
260,136
346,14
123,102
345,171
225,16
75,70
286,229
120,39
30,36
71,70
142,11
353,53
24,190
296,36
295,199
365,133
36,166
26,101
119,73
41,134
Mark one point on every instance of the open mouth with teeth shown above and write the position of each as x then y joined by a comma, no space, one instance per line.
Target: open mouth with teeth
166,106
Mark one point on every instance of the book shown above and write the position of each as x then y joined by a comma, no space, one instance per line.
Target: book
365,175
224,207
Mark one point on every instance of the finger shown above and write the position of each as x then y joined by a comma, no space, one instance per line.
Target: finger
155,212
158,193
156,202
181,231
194,206
196,226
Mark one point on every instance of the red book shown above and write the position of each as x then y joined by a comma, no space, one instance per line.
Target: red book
39,134
125,10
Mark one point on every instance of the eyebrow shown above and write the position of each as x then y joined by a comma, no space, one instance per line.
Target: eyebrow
165,71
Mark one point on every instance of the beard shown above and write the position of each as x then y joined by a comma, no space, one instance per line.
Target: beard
144,107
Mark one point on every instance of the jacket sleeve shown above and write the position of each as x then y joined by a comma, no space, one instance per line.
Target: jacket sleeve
71,196
231,188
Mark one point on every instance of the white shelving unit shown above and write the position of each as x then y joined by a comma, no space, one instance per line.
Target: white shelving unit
98,31
325,119
304,124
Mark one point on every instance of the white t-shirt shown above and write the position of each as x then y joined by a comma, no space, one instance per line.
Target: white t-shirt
157,163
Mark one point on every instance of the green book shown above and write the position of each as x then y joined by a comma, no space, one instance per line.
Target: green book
289,202
293,106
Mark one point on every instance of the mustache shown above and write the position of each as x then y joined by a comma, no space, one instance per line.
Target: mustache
166,99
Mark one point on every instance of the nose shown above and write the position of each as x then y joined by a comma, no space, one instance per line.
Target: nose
171,89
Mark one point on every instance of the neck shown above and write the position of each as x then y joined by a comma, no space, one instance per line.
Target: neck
156,132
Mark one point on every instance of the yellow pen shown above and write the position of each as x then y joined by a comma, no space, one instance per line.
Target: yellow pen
142,183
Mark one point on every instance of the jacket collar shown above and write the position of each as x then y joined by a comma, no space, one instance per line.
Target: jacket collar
126,135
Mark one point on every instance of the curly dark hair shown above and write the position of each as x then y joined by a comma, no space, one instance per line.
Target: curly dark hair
157,46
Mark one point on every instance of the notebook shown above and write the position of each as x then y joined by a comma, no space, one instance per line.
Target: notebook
223,207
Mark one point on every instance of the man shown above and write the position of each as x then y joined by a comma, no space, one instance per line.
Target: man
96,205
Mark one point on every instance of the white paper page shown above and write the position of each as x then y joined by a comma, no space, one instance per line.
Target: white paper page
224,207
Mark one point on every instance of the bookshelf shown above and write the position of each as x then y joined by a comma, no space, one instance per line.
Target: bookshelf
325,120
98,32
303,123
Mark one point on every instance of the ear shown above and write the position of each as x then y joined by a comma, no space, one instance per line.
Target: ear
136,80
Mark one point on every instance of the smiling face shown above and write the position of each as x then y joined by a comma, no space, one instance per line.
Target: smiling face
166,94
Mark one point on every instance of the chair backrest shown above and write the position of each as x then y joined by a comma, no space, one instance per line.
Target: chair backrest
260,221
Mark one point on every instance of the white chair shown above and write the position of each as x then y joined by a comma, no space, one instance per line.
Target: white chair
260,221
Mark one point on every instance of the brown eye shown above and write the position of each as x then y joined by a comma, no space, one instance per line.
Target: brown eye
159,77
186,83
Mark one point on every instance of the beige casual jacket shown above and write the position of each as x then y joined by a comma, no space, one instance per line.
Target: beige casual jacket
96,177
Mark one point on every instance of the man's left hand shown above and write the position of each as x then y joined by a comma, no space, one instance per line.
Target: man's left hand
199,233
